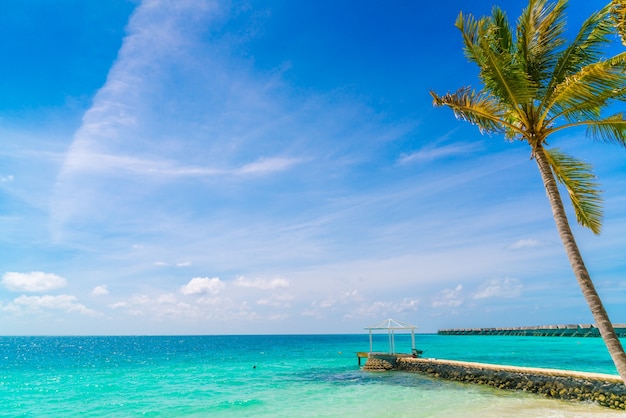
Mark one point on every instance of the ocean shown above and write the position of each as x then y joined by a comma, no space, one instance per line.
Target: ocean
275,376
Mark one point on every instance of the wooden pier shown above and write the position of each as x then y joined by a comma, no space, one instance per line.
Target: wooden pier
569,330
362,354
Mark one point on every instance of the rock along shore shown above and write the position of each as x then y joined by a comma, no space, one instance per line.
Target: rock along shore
606,390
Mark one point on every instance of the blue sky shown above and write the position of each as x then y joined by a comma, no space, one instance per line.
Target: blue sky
210,167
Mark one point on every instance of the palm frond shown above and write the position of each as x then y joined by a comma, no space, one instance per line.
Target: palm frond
469,27
481,109
540,32
478,108
585,49
618,13
611,129
502,35
588,91
488,42
582,187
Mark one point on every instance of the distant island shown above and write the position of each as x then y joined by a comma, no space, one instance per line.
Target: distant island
569,330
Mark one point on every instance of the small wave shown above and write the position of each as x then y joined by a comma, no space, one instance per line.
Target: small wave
239,404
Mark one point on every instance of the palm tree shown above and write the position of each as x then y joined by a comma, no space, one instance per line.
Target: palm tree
618,10
535,84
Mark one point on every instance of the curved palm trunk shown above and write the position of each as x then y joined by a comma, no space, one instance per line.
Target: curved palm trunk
600,316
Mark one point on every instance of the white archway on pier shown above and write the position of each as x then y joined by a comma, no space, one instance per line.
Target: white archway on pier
391,326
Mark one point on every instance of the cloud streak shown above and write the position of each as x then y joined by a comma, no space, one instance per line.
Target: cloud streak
429,153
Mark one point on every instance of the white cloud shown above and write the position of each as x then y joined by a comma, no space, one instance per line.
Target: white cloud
449,297
168,305
167,298
100,162
524,243
165,264
6,179
499,288
379,309
268,165
67,303
100,290
230,106
200,285
262,283
162,305
279,301
434,153
324,304
406,305
347,297
35,281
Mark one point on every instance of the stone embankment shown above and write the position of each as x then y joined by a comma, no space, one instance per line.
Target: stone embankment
606,390
374,364
381,362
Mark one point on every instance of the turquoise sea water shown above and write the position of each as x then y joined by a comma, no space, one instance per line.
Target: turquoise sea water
273,376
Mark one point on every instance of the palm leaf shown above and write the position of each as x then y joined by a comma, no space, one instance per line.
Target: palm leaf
611,129
588,91
488,43
582,187
585,49
478,108
540,31
618,12
502,35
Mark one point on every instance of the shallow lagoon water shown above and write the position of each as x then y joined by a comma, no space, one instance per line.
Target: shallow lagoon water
274,376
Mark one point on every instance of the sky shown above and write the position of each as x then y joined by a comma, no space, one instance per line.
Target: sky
273,167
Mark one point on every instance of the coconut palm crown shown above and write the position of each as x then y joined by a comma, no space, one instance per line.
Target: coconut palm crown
536,82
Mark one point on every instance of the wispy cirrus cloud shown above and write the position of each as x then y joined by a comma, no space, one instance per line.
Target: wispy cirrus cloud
431,153
178,113
525,243
267,165
164,169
